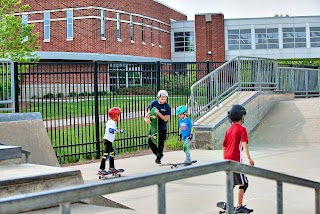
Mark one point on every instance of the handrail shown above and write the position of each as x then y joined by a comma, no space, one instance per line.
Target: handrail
65,196
25,152
239,73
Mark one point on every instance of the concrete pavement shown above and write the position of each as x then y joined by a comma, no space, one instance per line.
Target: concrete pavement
287,141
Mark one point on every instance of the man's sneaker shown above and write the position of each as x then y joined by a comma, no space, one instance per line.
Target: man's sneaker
102,172
158,161
243,209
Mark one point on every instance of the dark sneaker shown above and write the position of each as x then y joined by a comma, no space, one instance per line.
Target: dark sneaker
158,161
243,209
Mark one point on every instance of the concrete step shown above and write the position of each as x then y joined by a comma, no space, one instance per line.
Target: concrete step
18,179
10,154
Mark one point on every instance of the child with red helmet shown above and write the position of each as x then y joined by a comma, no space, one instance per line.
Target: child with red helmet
109,136
235,141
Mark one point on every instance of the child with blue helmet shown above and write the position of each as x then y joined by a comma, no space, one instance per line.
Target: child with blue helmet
185,131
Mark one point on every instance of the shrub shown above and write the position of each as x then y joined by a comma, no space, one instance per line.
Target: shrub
60,95
49,95
172,143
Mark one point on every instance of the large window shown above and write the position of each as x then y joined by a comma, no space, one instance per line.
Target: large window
103,24
183,41
118,27
131,29
294,37
152,34
239,39
24,23
159,34
142,30
267,38
69,24
46,26
315,36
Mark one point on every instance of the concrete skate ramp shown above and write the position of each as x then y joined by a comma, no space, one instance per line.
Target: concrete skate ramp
290,124
27,130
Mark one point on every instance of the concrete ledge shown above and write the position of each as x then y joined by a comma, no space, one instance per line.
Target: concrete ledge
20,116
211,128
28,131
18,179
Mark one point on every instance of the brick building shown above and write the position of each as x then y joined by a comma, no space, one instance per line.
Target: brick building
148,31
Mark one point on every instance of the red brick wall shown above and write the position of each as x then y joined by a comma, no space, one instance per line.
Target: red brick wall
210,37
87,36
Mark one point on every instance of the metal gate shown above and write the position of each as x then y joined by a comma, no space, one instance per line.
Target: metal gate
6,85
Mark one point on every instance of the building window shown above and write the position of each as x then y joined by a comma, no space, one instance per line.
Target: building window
183,41
131,28
103,24
142,30
24,23
159,35
267,38
294,37
69,24
239,39
314,36
152,35
46,26
118,27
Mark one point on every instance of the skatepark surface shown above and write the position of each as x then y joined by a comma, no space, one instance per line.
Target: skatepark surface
287,141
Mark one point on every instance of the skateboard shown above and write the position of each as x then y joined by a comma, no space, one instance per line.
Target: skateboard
113,174
223,206
153,133
176,165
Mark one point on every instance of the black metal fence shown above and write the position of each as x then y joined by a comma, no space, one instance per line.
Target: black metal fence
74,98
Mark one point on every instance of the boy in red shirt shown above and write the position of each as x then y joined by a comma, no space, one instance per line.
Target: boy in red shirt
235,141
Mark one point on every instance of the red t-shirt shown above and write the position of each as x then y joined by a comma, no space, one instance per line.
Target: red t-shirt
232,142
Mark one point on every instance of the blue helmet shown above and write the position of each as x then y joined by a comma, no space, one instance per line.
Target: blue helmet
181,110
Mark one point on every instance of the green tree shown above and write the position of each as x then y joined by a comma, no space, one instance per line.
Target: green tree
17,40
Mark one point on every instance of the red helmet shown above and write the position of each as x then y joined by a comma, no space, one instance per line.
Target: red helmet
114,113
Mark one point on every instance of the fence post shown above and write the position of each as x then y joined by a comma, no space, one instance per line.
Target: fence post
158,67
239,72
162,198
96,107
230,208
317,198
209,83
279,197
16,87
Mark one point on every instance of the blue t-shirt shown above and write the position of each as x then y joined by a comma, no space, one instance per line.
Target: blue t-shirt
164,109
185,126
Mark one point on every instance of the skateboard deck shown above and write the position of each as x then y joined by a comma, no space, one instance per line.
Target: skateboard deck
153,133
111,174
176,165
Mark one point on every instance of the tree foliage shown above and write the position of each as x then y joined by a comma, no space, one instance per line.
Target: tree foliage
17,40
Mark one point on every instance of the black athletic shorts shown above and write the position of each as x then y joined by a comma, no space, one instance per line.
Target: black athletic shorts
239,179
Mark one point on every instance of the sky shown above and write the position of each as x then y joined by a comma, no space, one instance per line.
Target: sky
246,8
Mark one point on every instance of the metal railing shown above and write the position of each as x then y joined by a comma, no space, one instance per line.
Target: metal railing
65,196
304,82
239,73
7,101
